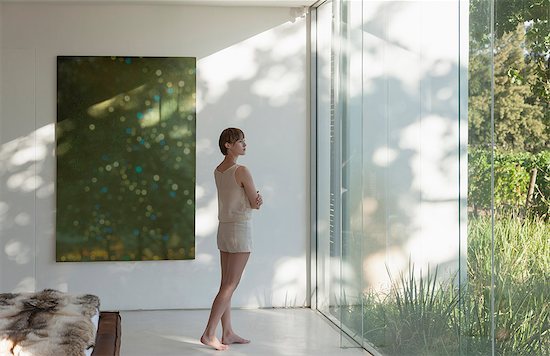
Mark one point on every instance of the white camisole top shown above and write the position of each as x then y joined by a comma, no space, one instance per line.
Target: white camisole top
233,204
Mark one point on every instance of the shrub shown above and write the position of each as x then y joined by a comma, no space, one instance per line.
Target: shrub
512,177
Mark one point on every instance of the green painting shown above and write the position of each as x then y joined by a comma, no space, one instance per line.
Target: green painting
125,150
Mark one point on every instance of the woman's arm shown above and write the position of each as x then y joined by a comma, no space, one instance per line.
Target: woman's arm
244,178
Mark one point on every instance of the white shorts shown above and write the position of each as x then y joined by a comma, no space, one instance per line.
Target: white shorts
235,236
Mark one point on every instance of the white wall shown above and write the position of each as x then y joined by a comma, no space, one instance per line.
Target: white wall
251,74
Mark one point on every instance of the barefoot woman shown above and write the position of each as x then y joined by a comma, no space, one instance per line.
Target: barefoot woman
237,196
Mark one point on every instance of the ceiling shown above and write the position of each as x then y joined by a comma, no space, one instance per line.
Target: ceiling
267,3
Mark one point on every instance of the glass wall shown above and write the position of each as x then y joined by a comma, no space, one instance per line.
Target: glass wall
508,302
433,174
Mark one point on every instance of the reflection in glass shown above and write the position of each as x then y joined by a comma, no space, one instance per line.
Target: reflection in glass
433,175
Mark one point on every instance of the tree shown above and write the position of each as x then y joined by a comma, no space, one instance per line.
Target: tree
519,114
533,16
521,119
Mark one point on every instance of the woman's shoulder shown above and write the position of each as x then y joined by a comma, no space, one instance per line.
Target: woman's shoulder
242,173
222,168
241,168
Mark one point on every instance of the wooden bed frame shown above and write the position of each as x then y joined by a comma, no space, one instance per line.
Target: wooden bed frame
108,335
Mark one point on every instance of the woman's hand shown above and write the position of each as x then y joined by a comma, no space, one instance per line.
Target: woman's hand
259,200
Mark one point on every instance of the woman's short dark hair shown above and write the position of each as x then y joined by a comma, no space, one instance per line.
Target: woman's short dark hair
229,135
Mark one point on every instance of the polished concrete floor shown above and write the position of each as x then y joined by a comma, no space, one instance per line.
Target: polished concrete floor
272,331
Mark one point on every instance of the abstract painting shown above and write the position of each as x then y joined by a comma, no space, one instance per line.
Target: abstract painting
125,152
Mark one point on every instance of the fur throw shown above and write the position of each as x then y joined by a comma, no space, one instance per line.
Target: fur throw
47,323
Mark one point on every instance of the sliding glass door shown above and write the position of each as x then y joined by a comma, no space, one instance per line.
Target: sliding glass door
327,239
432,174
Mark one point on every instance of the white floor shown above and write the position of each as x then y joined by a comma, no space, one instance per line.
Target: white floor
272,331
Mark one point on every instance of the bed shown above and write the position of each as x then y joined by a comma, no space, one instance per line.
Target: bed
54,323
108,335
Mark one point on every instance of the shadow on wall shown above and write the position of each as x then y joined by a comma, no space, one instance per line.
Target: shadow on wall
23,160
273,118
405,109
258,84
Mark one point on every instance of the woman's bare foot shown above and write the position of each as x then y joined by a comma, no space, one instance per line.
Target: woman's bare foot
214,342
234,339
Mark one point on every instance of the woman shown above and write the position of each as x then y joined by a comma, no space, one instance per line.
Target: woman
237,196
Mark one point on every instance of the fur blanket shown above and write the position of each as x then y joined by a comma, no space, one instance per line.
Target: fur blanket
47,323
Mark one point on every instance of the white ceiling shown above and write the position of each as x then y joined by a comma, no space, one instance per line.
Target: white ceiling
271,3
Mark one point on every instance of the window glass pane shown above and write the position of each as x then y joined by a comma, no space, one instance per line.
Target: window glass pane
522,177
477,294
411,162
434,171
328,242
351,185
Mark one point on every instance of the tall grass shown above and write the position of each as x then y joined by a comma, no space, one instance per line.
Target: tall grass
419,316
521,290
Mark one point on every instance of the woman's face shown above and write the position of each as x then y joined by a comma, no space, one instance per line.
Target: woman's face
238,147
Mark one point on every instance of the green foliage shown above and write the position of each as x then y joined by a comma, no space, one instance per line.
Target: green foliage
480,24
522,264
521,74
519,122
479,100
512,178
535,14
419,316
518,112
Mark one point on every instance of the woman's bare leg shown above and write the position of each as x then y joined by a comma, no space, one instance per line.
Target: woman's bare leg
232,266
228,335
